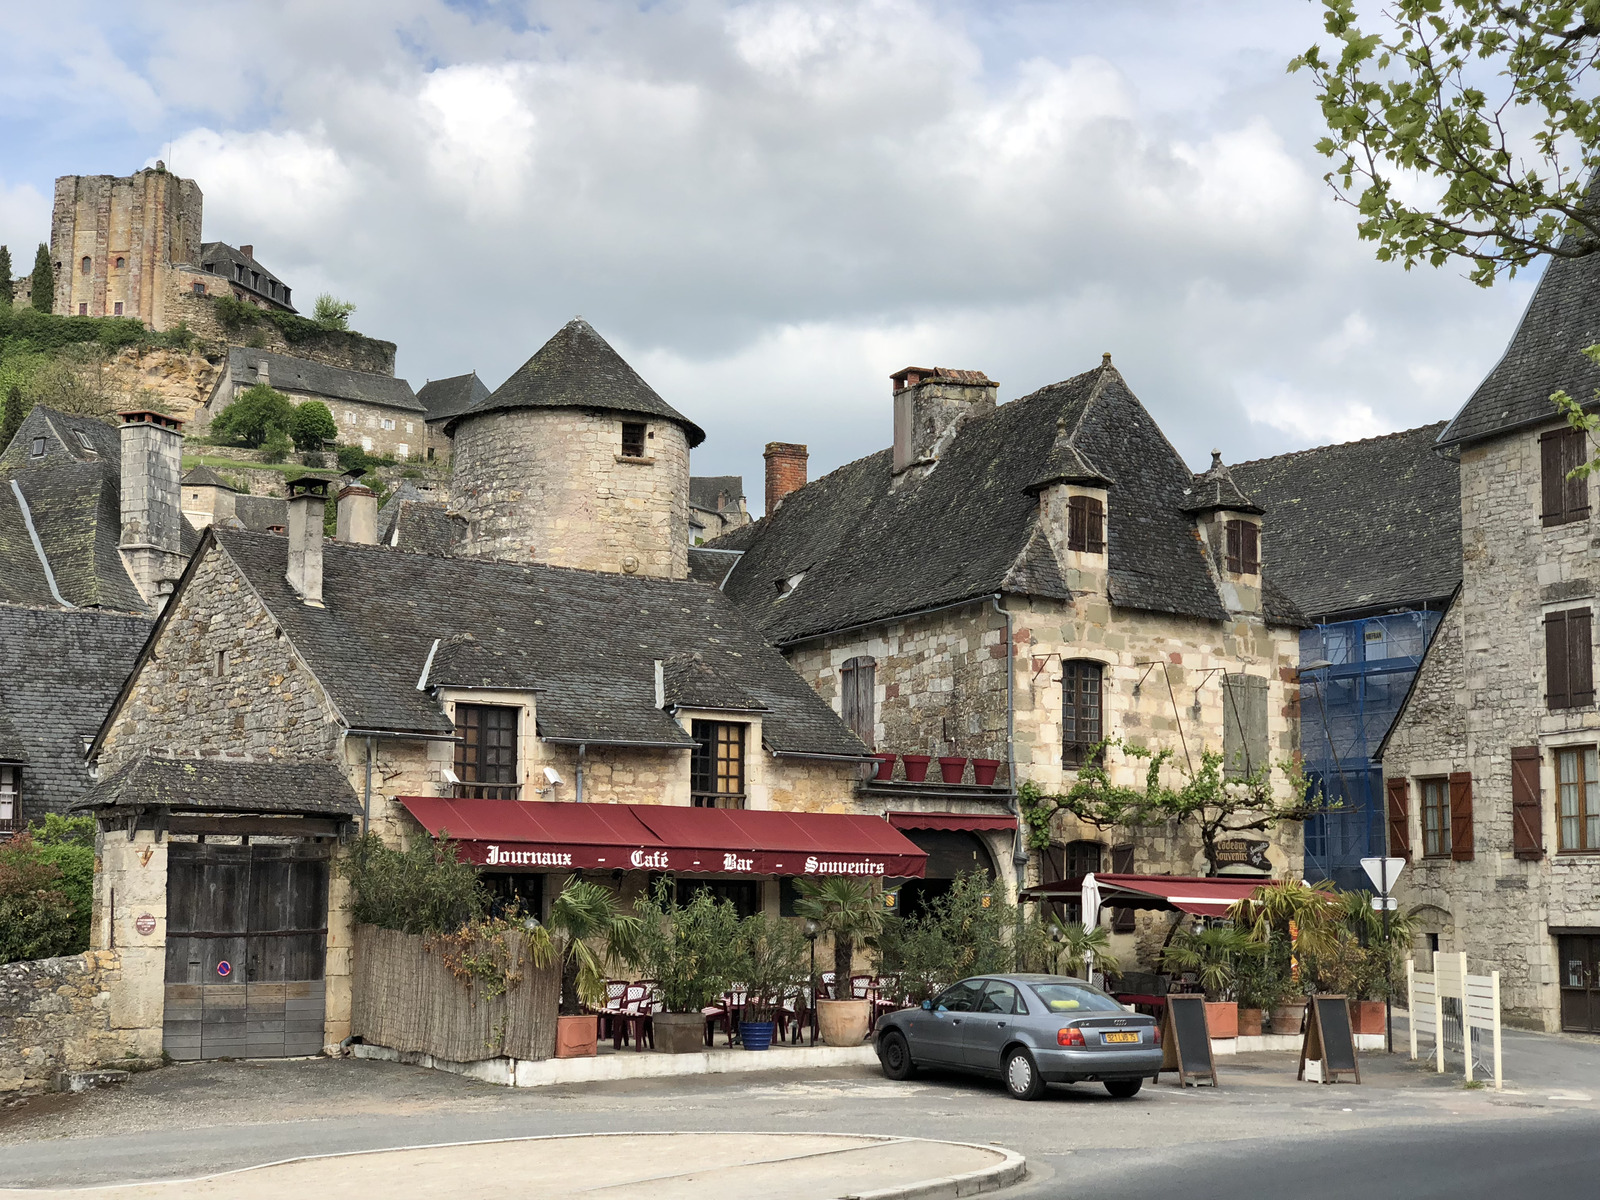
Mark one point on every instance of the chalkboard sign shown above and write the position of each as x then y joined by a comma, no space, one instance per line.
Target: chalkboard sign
1329,1039
1186,1041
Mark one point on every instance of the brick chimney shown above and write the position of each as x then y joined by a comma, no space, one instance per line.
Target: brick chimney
931,404
308,497
786,471
152,502
248,251
357,516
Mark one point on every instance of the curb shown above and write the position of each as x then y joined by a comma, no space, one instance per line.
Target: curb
1008,1171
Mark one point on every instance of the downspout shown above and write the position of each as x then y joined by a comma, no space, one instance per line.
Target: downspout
583,752
366,799
1019,851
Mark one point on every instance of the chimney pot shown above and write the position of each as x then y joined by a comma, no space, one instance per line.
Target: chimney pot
930,405
308,497
786,471
248,251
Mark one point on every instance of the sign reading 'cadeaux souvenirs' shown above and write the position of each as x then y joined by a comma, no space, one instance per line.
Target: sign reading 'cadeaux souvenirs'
755,862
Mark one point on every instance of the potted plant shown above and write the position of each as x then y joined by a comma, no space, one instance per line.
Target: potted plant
849,910
1212,954
952,768
582,913
772,961
1289,917
1255,988
916,766
1081,950
691,951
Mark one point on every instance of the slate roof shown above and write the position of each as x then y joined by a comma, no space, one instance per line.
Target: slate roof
59,672
68,438
204,476
318,379
226,785
706,490
1361,525
219,258
1215,490
689,681
970,528
711,566
577,368
76,509
260,513
1543,356
413,522
584,641
446,397
11,747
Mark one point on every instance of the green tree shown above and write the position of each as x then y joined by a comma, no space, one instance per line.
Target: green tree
583,913
67,843
11,415
332,313
691,950
42,289
425,889
250,416
5,277
850,911
36,914
1490,101
276,445
313,424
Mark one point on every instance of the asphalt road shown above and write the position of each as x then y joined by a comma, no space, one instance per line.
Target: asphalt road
1403,1132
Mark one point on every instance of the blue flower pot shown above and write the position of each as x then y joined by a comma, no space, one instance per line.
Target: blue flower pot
756,1035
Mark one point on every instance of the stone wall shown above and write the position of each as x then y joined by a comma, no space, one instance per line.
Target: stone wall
336,348
176,382
1480,692
55,1015
552,486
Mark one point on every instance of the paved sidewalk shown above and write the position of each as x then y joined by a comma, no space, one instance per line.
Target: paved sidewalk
662,1166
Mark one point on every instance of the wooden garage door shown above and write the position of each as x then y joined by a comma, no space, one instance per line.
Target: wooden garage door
246,942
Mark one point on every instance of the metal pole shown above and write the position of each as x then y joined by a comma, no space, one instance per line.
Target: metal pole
812,937
1388,965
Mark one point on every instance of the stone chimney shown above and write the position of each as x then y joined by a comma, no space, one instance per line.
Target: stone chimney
308,497
786,471
931,404
358,515
248,251
152,502
263,373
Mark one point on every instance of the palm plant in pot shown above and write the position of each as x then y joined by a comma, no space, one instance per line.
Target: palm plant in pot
1082,950
692,952
848,910
772,962
583,915
1212,954
1289,918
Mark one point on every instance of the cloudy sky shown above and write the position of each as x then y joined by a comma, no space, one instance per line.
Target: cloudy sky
767,207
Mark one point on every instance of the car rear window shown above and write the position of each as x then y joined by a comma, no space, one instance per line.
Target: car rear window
1075,997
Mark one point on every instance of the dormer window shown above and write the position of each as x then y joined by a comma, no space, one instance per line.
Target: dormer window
37,449
1086,523
83,440
633,435
787,586
1244,548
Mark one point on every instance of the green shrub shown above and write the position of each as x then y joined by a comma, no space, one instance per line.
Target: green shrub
426,889
68,844
967,931
5,277
332,313
37,916
42,289
276,445
234,314
11,415
692,949
353,458
313,424
248,418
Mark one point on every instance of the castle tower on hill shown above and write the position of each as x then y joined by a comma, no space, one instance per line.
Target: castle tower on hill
577,462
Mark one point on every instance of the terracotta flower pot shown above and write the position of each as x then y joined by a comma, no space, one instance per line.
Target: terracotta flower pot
577,1037
679,1033
1222,1018
984,771
1250,1022
1366,1016
916,766
844,1022
1286,1018
885,765
952,769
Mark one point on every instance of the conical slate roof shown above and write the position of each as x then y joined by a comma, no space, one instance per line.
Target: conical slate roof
577,368
1068,463
204,476
1216,490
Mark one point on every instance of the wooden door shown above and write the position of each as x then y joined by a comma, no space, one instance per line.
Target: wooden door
246,943
1580,982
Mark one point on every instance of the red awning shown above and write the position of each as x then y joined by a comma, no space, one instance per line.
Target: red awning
558,836
967,822
1205,897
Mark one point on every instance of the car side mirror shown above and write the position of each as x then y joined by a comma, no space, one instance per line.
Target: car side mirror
927,1005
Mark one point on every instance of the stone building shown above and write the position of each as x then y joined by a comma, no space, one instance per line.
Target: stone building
447,398
614,718
209,498
378,412
716,506
1490,768
130,247
1012,583
1376,600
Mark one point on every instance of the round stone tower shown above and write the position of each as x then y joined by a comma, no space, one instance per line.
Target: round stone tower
575,461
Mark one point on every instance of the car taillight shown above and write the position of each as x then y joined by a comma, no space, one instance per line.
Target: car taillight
1158,1035
1070,1037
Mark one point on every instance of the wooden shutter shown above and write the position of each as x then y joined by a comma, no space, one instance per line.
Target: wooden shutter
1580,660
1461,816
1077,523
1122,919
1249,548
1094,520
1235,563
857,694
1557,692
1550,480
1399,819
1527,812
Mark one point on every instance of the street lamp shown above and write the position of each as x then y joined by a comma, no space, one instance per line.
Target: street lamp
812,929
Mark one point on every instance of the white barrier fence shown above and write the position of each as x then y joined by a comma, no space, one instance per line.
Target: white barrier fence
1455,1013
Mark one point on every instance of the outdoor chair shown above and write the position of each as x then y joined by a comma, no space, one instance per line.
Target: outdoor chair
632,1021
827,985
616,989
861,987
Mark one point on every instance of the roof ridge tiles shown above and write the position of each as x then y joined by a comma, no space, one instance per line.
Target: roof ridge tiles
1366,441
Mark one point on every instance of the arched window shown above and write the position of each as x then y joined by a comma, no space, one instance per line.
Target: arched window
87,263
1081,726
121,262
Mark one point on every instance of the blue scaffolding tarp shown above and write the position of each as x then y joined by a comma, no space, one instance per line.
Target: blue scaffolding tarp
1354,676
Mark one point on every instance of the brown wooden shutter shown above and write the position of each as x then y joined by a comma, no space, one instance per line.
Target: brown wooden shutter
1550,490
857,685
1234,559
1580,658
1461,816
1094,525
1399,819
1557,692
1527,812
1077,523
1122,919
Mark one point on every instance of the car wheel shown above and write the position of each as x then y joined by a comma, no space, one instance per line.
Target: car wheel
1022,1076
895,1056
1124,1089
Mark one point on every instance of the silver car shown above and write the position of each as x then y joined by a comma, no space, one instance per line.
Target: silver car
1027,1030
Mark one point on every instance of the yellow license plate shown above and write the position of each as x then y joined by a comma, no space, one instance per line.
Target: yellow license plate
1121,1037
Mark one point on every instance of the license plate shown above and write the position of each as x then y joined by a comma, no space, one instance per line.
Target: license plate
1120,1037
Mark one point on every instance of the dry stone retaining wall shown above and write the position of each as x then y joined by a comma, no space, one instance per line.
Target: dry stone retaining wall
55,1015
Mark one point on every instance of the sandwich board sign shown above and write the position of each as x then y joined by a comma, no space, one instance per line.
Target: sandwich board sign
1329,1044
1186,1042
